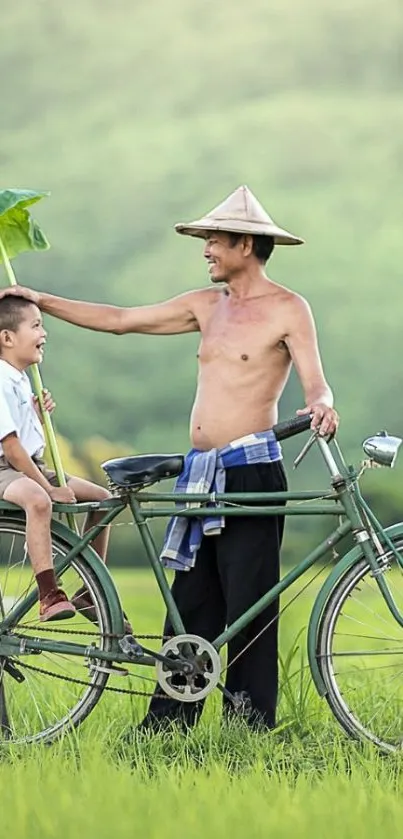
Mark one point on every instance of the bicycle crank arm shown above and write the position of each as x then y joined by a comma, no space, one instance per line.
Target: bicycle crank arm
182,665
150,657
135,652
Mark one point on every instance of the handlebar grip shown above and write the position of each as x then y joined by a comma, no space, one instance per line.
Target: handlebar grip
293,426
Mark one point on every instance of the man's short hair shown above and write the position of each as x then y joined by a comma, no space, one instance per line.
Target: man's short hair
262,245
12,311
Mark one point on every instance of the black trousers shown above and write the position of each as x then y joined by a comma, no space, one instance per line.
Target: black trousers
231,572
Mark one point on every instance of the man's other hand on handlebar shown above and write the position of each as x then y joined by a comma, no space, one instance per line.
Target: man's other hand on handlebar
325,419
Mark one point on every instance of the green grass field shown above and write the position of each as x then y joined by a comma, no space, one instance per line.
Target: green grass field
306,779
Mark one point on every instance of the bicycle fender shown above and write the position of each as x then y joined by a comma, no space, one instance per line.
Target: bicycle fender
341,568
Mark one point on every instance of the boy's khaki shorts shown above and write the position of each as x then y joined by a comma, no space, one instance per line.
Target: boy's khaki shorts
8,474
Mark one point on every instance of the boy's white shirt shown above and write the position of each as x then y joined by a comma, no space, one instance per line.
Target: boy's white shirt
17,412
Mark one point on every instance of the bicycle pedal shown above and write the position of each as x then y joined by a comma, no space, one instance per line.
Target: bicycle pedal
131,647
242,704
113,671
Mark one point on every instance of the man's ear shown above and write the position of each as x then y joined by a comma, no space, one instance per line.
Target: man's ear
247,244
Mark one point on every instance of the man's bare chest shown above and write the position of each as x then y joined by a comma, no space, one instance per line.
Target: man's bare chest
246,333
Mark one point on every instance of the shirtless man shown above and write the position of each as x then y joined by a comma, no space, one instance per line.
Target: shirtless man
252,331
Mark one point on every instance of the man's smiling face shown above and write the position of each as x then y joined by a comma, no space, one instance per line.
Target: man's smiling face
225,259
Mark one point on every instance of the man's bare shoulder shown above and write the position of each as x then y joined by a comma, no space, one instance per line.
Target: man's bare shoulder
205,293
203,297
293,301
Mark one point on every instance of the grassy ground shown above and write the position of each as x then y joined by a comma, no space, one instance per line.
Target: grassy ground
303,780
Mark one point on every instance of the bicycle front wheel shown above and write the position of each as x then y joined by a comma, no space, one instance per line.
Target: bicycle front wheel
360,654
43,694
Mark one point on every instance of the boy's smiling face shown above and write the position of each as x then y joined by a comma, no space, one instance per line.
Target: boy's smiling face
24,345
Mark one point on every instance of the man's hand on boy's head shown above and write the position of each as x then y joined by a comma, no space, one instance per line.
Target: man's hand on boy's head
48,403
21,291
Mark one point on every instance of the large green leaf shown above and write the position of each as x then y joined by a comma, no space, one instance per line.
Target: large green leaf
18,231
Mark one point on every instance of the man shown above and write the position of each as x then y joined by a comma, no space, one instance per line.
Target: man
252,331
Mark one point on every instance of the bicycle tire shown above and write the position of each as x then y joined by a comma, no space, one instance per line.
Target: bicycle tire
365,697
35,715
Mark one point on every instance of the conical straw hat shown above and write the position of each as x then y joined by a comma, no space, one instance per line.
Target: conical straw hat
241,212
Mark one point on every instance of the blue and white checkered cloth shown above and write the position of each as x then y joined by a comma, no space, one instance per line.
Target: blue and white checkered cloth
204,472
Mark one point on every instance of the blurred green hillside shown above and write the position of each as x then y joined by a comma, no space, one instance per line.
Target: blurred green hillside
136,116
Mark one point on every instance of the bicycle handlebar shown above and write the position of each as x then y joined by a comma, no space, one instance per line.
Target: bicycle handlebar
288,428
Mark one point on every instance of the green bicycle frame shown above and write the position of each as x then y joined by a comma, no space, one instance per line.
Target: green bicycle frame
344,501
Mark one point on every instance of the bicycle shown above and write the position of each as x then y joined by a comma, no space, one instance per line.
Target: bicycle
354,649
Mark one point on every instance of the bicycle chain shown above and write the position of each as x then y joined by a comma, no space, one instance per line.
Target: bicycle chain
88,684
98,635
30,628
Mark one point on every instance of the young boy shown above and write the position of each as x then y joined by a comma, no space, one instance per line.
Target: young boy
24,478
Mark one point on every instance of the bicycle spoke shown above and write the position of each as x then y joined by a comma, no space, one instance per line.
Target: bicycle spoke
368,637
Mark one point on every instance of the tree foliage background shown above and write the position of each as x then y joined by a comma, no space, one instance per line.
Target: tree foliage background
136,116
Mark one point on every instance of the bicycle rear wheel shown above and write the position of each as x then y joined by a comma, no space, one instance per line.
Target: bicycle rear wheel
43,706
360,654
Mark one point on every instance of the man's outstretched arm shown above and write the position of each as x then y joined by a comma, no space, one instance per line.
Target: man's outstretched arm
169,318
